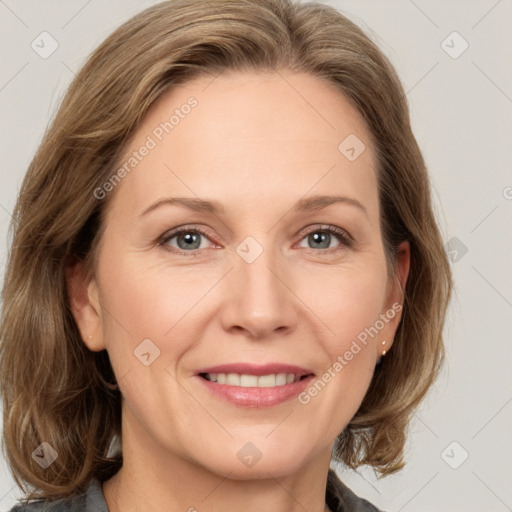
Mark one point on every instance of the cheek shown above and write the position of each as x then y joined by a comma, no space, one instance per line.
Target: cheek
349,303
347,300
146,313
144,301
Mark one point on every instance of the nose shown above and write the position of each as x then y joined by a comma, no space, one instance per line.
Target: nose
259,299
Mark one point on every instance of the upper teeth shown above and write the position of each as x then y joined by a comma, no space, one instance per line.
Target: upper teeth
252,381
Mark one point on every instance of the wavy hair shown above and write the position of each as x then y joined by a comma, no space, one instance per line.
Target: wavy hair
53,388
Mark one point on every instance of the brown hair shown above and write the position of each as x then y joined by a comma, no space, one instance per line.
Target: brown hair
54,389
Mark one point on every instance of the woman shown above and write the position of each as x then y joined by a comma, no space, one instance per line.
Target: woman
173,338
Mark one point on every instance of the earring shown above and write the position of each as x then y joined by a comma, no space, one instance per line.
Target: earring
383,352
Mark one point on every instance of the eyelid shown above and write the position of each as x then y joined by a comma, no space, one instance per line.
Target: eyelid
342,233
171,233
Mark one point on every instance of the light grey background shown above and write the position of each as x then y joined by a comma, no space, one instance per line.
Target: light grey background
461,110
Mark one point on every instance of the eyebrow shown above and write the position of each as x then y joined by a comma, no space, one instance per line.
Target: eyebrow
312,203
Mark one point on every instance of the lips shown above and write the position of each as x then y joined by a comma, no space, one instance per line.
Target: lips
253,385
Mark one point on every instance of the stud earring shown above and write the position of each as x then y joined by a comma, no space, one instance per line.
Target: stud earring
383,352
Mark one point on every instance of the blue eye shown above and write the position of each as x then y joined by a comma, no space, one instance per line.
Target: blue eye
188,240
321,237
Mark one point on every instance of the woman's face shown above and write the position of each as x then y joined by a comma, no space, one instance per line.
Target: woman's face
255,286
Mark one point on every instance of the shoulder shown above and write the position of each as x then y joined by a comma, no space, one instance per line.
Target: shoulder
92,500
71,505
340,498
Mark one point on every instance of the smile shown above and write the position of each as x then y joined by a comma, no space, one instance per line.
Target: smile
249,385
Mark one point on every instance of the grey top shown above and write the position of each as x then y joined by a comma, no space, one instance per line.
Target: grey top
338,497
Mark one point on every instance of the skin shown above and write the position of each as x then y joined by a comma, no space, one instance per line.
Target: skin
257,143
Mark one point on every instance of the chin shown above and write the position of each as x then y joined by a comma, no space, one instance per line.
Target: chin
257,460
260,471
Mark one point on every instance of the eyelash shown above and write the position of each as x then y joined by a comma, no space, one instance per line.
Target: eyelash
342,236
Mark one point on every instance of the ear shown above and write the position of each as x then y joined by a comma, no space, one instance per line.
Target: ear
84,303
402,265
393,307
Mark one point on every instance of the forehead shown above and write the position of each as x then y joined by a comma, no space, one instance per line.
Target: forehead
249,137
